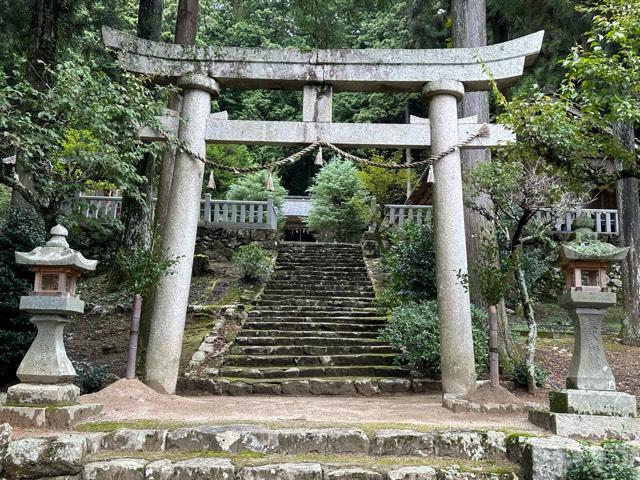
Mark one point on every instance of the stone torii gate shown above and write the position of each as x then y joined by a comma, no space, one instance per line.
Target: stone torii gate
442,76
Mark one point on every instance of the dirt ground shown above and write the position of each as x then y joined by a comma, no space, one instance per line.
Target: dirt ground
129,400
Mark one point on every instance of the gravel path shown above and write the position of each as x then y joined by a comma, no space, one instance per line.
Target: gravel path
131,400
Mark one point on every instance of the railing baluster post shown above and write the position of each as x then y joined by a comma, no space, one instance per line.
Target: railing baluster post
260,214
207,208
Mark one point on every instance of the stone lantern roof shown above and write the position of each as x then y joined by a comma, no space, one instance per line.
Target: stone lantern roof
56,252
585,246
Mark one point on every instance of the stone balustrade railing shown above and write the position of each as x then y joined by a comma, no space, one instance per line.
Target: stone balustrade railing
230,214
606,220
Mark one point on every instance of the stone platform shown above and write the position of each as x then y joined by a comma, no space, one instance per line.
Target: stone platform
593,402
587,426
253,452
47,417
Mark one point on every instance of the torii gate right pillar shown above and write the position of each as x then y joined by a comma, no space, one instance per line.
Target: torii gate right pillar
454,306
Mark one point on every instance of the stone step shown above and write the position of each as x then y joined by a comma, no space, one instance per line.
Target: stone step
309,349
311,326
380,321
259,373
308,279
311,295
337,291
343,304
308,360
325,269
275,332
348,385
298,341
324,285
317,310
323,265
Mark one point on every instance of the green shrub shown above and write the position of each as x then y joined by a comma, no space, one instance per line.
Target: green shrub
339,203
91,377
22,230
520,374
253,186
614,461
414,329
253,263
409,266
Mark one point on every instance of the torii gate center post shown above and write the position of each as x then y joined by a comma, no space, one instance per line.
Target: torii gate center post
442,76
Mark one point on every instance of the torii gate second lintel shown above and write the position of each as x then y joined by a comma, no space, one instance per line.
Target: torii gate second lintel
440,75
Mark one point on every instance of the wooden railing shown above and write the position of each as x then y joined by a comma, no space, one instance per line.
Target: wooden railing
230,214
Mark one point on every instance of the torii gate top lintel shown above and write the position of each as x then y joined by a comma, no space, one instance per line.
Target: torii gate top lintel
398,70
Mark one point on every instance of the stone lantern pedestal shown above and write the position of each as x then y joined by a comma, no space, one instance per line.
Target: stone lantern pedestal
47,397
589,406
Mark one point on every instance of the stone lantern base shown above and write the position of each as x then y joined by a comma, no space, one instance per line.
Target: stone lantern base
594,427
56,406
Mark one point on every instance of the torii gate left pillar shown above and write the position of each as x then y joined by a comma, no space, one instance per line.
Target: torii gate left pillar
179,240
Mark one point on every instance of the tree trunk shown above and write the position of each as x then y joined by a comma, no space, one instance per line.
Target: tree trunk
494,369
470,30
40,55
628,199
186,30
508,351
530,318
137,211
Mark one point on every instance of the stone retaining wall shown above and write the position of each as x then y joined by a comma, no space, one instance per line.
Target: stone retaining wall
69,456
218,243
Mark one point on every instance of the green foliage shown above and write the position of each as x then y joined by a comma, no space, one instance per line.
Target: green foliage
91,377
339,204
520,373
230,155
414,329
141,269
70,145
409,265
22,230
614,461
605,70
387,186
253,186
253,263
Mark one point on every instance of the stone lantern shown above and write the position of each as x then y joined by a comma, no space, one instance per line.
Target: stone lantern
46,372
590,385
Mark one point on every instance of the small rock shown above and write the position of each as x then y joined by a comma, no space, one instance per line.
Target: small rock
120,469
368,388
240,388
331,387
284,471
45,457
401,442
330,440
193,469
267,388
136,440
394,385
295,387
352,474
412,473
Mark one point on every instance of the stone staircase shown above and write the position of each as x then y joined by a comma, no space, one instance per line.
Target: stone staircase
314,331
